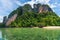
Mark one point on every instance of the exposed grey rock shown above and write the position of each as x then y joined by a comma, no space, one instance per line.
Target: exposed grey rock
11,19
4,19
41,8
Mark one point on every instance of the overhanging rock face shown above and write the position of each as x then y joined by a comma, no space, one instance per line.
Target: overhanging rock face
10,20
41,8
44,8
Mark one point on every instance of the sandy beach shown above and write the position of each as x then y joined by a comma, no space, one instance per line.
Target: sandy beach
52,27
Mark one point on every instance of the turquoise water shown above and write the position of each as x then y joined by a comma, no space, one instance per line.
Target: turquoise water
0,35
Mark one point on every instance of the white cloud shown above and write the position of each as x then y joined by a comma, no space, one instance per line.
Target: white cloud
1,17
35,2
32,2
43,1
18,3
52,5
59,15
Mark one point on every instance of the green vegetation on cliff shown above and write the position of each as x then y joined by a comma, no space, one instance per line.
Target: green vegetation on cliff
28,17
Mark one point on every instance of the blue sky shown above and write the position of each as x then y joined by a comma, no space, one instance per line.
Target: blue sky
7,6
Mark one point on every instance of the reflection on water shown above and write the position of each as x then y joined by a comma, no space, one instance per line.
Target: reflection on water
2,38
5,37
0,35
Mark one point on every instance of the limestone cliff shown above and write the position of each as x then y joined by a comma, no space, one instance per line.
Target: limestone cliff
38,8
11,19
41,8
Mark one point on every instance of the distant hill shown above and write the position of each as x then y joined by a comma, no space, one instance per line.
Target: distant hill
26,16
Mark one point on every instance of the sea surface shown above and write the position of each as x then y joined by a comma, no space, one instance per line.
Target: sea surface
0,35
